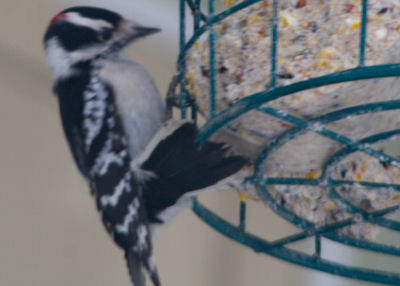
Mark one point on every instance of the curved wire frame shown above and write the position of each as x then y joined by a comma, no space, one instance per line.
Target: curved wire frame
203,23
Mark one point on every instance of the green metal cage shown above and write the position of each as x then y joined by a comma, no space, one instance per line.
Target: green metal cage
203,24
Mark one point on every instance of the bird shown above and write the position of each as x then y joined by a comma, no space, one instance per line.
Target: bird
141,166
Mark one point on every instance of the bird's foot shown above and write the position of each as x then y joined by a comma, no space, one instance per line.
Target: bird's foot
177,100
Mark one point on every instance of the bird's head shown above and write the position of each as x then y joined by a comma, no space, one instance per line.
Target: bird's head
79,36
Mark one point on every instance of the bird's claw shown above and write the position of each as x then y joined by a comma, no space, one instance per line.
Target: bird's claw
175,100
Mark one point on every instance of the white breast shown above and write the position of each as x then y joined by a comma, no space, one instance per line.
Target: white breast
138,101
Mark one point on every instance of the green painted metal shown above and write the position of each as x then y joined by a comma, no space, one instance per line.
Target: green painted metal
182,64
296,257
242,216
274,43
255,100
203,24
363,32
197,15
213,76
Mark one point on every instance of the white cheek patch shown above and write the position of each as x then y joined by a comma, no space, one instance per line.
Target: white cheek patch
59,60
96,24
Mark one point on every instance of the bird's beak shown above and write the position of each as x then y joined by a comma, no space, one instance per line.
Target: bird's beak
134,31
128,33
142,31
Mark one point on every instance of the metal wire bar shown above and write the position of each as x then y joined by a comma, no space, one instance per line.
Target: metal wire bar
197,14
318,243
210,21
346,151
189,99
332,182
292,181
255,100
372,185
293,256
194,112
242,216
195,8
305,125
351,208
363,32
309,226
317,127
363,244
386,223
182,64
212,60
274,43
203,24
366,216
312,232
292,133
327,231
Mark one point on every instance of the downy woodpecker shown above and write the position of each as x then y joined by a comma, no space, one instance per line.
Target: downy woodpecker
140,167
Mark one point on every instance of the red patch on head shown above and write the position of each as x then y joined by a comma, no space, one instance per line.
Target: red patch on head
56,17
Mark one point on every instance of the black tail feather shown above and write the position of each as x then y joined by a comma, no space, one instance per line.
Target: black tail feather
135,267
182,165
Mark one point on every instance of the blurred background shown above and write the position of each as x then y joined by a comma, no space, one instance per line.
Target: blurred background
50,233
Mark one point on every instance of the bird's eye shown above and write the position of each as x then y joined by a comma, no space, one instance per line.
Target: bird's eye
105,34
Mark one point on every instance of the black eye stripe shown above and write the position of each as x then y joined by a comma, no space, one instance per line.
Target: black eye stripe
72,37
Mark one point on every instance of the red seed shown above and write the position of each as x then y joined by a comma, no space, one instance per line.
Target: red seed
301,3
348,8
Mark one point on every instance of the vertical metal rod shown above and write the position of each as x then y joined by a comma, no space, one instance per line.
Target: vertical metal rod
242,216
197,17
363,32
317,253
212,60
196,25
182,66
274,44
194,112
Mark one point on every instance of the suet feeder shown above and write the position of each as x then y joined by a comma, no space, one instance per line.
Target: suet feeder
348,187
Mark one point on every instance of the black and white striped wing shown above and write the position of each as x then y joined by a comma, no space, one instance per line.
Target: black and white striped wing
99,146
